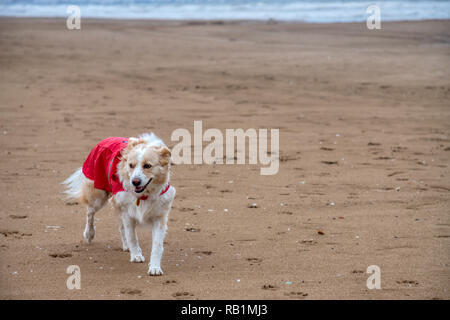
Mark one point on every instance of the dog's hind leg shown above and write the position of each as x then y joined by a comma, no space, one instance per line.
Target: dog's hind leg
123,235
89,230
94,199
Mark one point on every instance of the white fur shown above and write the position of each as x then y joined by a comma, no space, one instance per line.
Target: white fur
74,184
152,140
154,211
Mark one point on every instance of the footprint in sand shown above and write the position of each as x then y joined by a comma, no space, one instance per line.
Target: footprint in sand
296,294
60,255
207,253
254,260
14,216
130,291
395,173
285,158
269,287
14,233
182,294
408,282
309,241
357,271
330,162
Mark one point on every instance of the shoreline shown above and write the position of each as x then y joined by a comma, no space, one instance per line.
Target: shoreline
217,21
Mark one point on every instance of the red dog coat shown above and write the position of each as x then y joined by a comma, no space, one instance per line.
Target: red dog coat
101,164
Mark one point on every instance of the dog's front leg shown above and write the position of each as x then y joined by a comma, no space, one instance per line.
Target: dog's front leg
129,225
158,233
123,236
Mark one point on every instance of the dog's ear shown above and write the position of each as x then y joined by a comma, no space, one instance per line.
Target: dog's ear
164,156
132,142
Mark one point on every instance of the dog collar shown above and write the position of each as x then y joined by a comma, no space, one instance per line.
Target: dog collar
165,189
138,200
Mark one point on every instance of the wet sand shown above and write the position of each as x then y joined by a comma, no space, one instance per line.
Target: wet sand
364,123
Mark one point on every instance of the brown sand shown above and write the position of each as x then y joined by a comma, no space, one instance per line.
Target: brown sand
375,103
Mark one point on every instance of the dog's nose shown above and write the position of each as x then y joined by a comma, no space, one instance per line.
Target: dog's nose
136,182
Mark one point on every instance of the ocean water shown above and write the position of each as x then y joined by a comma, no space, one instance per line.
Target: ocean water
282,10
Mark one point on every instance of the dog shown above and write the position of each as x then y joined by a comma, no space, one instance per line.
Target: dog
133,173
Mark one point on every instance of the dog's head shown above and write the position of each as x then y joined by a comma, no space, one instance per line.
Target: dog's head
145,164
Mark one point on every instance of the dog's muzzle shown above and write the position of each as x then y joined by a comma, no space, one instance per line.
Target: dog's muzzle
142,188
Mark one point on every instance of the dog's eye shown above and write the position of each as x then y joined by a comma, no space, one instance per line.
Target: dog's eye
147,166
131,165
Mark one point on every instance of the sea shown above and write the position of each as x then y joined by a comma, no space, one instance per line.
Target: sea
319,11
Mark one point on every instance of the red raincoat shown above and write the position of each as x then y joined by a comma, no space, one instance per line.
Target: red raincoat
101,164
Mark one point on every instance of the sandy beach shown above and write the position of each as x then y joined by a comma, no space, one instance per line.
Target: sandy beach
364,120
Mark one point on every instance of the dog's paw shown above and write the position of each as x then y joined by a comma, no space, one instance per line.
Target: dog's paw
154,271
89,234
137,258
125,249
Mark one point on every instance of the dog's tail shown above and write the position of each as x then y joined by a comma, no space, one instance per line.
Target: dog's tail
74,185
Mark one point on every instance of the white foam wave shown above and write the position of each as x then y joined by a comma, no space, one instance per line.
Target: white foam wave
282,10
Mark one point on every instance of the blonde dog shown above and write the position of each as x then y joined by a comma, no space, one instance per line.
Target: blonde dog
134,174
